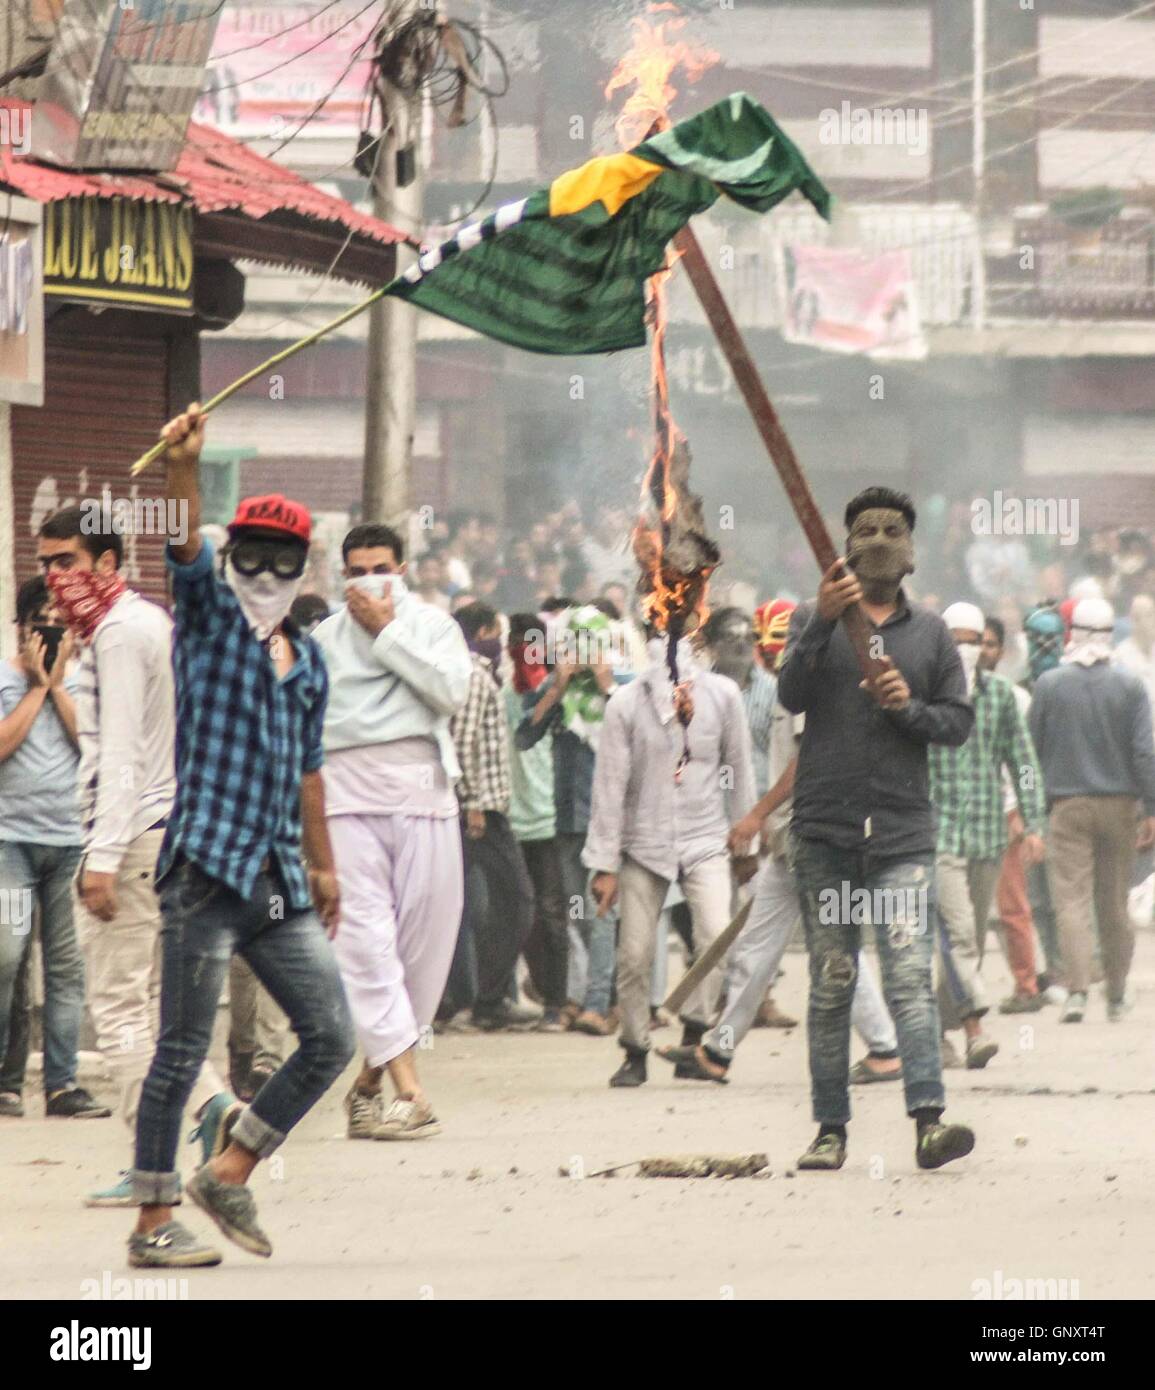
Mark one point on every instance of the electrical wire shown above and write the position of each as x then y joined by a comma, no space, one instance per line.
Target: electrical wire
256,77
288,29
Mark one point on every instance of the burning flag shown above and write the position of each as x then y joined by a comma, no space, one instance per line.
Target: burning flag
565,270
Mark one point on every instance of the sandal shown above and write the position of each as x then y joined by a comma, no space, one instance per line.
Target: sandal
688,1066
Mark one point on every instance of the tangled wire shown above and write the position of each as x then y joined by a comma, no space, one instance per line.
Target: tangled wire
441,59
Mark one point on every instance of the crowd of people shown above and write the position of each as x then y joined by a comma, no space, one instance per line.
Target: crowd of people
473,797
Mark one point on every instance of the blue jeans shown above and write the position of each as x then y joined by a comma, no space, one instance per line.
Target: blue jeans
902,909
42,875
204,923
592,939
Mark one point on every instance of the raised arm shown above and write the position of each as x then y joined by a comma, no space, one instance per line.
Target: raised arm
185,437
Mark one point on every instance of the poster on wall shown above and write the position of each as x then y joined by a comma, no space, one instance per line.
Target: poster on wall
21,302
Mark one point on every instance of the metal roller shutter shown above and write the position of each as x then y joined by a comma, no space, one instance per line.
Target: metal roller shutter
104,400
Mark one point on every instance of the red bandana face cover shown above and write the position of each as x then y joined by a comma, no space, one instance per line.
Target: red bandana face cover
84,597
527,674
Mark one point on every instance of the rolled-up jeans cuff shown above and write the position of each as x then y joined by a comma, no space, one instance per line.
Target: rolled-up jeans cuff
156,1189
252,1133
924,1095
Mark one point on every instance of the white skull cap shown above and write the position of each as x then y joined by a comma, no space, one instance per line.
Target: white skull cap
1093,615
964,617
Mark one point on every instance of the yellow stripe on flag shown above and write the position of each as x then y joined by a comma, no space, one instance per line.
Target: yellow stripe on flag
612,180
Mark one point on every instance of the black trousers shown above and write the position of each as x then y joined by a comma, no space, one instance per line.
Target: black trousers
500,920
547,950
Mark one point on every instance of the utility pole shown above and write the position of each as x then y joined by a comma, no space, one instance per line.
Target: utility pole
391,379
978,164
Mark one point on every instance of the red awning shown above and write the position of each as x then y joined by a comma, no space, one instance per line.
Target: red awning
228,185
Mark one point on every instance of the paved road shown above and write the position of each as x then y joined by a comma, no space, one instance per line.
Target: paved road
1061,1185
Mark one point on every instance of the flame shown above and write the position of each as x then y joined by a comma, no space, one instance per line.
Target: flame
646,72
654,56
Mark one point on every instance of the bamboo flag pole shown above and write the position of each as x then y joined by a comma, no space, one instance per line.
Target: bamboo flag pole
283,356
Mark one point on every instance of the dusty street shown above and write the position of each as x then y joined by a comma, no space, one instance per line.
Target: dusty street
1060,1186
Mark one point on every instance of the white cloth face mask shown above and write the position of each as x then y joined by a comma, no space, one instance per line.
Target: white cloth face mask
265,600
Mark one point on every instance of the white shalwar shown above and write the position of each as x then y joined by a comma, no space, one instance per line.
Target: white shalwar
393,824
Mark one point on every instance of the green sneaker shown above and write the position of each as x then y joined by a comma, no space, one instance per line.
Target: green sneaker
939,1144
118,1195
233,1208
170,1246
826,1154
216,1124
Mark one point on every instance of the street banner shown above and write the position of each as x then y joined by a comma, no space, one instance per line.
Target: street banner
844,300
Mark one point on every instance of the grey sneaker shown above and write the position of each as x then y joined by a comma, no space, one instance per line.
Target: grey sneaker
233,1208
11,1106
170,1246
364,1114
408,1119
1118,1009
1074,1008
826,1155
980,1050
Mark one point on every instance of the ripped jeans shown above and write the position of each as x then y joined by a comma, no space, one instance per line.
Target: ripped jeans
840,891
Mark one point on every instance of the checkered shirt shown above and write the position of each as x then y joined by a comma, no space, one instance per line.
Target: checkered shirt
244,738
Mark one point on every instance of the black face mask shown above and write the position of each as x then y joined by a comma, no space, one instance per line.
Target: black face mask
285,559
51,636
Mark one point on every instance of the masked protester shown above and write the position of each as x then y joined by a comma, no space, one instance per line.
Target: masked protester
1136,653
650,827
40,847
966,787
1091,723
126,728
533,820
251,692
730,640
495,925
1045,630
398,671
863,824
567,713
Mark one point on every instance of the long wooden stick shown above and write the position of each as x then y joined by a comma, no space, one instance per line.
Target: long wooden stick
283,356
707,960
733,345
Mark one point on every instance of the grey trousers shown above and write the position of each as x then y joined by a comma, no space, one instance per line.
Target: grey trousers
966,888
707,887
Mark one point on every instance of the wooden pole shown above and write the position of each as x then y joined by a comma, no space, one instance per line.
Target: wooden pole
706,962
721,320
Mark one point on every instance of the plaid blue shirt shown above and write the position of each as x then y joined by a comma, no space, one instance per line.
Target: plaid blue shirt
244,738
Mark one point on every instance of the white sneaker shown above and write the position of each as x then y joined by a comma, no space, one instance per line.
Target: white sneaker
408,1119
364,1114
1074,1008
1055,994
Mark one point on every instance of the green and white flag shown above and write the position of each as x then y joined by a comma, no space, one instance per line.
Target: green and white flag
564,271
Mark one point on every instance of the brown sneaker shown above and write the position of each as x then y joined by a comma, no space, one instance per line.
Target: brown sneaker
593,1024
769,1015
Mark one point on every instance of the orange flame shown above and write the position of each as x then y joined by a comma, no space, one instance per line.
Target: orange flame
646,71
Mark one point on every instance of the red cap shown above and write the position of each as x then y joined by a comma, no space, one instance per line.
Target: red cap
274,513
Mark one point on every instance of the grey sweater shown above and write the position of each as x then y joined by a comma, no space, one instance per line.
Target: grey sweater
1092,729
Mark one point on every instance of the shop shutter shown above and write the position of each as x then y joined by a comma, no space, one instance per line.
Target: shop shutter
104,401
